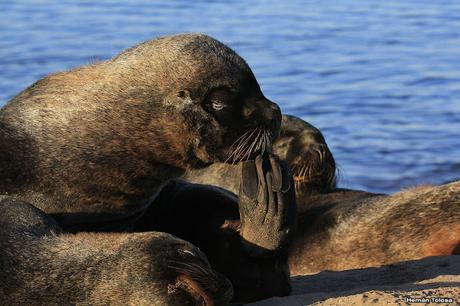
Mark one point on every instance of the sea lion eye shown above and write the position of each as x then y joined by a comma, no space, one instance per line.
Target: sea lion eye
219,99
189,252
216,105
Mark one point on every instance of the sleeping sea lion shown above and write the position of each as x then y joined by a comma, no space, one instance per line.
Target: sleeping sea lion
42,265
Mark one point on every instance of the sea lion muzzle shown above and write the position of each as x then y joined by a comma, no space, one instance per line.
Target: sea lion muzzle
264,113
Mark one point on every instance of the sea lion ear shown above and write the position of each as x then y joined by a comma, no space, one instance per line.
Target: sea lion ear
184,94
181,98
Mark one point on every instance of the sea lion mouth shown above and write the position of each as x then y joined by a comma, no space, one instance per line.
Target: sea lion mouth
253,142
192,288
205,286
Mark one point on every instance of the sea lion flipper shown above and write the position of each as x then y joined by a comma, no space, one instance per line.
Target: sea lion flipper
277,176
249,179
262,196
266,220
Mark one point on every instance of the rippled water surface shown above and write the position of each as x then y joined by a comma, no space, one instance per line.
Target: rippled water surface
381,79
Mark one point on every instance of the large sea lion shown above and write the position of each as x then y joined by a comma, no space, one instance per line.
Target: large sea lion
346,229
93,146
97,143
41,265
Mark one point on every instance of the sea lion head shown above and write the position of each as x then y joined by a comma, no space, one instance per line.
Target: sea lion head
205,96
180,274
305,150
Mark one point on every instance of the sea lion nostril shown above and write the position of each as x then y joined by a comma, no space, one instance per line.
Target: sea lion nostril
271,119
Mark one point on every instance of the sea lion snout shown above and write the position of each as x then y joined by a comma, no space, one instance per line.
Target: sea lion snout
195,278
202,285
264,113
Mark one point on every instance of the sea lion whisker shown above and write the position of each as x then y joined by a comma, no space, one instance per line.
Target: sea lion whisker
241,144
268,141
260,141
264,141
247,141
303,168
237,143
234,152
303,171
197,272
300,169
239,138
293,169
306,170
243,150
193,270
320,155
299,172
251,148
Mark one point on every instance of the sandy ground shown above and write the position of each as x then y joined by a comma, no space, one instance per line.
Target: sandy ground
388,285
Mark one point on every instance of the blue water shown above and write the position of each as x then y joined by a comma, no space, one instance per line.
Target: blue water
381,79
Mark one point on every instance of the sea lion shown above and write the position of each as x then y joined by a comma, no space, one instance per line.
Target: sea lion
41,265
93,146
214,219
367,230
209,217
301,145
347,229
97,143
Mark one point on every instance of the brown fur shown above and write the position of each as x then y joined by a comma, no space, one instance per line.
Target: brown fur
379,230
95,144
40,265
301,145
345,229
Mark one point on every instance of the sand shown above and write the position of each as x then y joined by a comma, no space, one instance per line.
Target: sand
432,277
